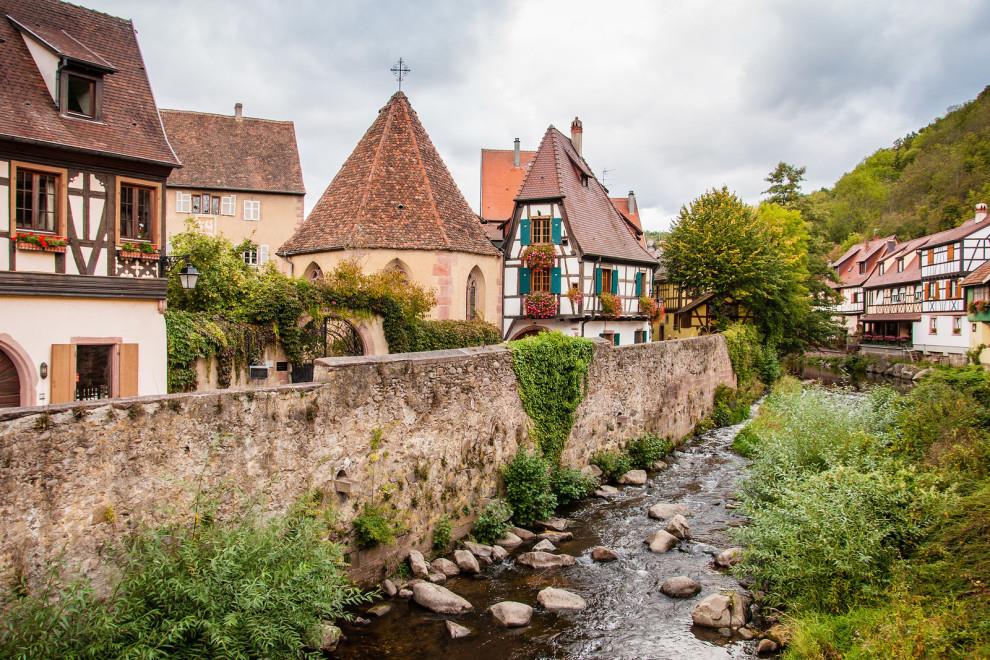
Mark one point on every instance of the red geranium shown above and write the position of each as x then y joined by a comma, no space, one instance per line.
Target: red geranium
541,305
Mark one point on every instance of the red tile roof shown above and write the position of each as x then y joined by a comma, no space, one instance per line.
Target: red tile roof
393,191
621,205
596,226
979,276
868,252
954,234
500,181
129,126
912,266
229,153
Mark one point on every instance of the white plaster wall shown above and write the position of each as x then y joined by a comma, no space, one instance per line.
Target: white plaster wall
943,341
27,319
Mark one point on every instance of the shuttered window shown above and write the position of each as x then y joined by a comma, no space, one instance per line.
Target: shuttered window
227,204
541,280
615,281
128,370
183,202
555,280
524,232
252,210
540,228
555,231
524,280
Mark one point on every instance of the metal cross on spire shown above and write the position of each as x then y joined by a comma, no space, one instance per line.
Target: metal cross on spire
400,70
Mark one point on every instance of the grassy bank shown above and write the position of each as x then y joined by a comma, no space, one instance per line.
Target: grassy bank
870,517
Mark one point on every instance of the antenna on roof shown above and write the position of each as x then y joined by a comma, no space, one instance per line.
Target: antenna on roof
400,70
605,172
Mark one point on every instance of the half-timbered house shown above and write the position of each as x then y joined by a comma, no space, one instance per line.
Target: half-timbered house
571,261
892,293
852,269
976,288
83,165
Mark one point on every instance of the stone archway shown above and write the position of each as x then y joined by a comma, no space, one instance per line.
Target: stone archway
18,379
475,295
313,272
342,338
529,331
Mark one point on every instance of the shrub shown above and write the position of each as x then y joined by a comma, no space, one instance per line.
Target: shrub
647,449
441,335
745,442
528,488
441,533
730,408
613,464
569,485
493,522
375,526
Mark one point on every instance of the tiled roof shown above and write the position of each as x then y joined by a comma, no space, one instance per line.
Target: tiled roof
847,266
979,276
129,125
393,191
912,266
597,227
230,153
962,231
500,181
621,205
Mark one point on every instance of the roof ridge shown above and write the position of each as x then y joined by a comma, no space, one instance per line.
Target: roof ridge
426,177
220,114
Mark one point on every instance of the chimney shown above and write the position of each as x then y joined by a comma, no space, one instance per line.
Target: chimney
981,213
632,203
576,132
238,109
516,160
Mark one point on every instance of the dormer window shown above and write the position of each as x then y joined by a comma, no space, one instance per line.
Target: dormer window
584,180
80,95
862,267
900,264
880,268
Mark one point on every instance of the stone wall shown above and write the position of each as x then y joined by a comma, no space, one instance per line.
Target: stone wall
424,433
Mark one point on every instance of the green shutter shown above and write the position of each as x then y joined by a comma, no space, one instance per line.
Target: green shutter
555,231
615,281
615,339
598,280
555,280
639,284
524,232
524,279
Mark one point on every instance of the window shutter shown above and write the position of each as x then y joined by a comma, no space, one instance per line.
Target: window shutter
598,280
555,231
227,204
128,370
63,373
639,284
183,202
524,231
524,281
615,339
555,280
262,255
257,211
615,281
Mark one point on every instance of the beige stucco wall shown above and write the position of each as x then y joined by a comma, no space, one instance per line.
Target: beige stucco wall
280,215
36,322
444,272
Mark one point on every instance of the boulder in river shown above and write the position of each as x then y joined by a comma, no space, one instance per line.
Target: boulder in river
389,588
680,586
437,578
418,564
661,541
445,566
556,524
544,546
678,526
538,559
405,593
439,599
592,471
729,610
729,557
509,541
666,511
456,630
633,478
479,549
466,561
554,537
523,534
659,465
329,637
607,492
560,600
510,614
499,553
601,553
766,647
379,610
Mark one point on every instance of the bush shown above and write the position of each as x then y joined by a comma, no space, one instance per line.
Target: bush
752,359
250,589
613,464
528,489
569,485
730,408
441,335
493,522
647,449
375,526
441,534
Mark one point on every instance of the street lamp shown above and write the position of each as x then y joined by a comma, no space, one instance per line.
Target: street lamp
188,276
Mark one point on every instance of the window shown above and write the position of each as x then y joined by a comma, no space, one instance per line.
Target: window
94,372
584,180
950,252
880,268
227,205
251,256
917,293
933,325
540,229
183,202
252,209
541,280
79,95
957,325
136,212
931,256
36,200
900,264
472,298
862,267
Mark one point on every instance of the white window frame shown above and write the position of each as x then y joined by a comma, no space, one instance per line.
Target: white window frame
183,202
252,210
251,255
228,204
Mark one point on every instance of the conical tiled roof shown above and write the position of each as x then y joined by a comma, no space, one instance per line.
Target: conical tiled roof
395,192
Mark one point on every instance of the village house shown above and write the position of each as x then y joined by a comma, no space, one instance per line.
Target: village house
976,287
893,296
240,178
852,269
83,166
394,205
572,261
688,314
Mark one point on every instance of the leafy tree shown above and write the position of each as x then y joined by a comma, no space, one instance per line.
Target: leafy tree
785,184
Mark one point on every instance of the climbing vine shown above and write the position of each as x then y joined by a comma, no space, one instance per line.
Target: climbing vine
551,370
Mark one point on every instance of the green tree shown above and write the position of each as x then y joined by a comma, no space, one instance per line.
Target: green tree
785,184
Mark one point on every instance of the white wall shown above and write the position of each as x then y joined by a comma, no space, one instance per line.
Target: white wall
943,341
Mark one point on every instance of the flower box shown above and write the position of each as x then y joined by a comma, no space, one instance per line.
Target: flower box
127,254
539,255
141,250
41,243
31,247
611,305
541,305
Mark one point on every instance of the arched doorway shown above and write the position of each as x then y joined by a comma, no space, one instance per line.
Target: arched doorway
340,338
529,332
475,295
10,382
313,272
398,266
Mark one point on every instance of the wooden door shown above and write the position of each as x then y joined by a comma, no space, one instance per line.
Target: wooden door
10,383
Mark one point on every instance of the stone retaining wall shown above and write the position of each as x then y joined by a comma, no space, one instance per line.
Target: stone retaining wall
424,433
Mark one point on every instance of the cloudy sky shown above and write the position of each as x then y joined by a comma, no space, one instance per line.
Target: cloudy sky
676,97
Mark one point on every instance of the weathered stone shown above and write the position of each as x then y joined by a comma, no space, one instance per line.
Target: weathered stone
747,633
721,610
437,577
418,564
545,546
405,593
766,647
545,560
499,553
921,374
329,637
523,534
440,599
665,511
592,471
456,630
633,478
360,621
607,492
484,561
680,586
678,526
661,541
388,587
379,610
555,537
560,600
729,557
478,549
601,553
555,524
510,541
510,614
445,566
659,465
466,561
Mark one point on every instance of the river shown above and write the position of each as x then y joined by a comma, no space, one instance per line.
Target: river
627,616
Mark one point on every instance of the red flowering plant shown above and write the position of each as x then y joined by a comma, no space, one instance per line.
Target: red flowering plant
42,241
539,255
575,296
611,305
541,305
978,306
649,307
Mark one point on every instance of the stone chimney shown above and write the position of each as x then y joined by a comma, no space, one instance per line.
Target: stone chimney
516,159
576,132
238,111
632,203
981,213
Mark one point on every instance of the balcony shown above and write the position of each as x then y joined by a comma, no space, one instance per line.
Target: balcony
953,267
979,310
885,340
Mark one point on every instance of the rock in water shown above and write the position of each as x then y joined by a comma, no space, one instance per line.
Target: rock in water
510,541
510,614
729,557
766,647
499,553
665,511
389,588
523,534
437,578
405,593
661,541
607,492
555,537
445,566
479,549
545,560
456,630
601,553
633,478
379,610
466,561
544,546
418,564
560,600
439,599
329,637
680,587
721,611
678,526
556,524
